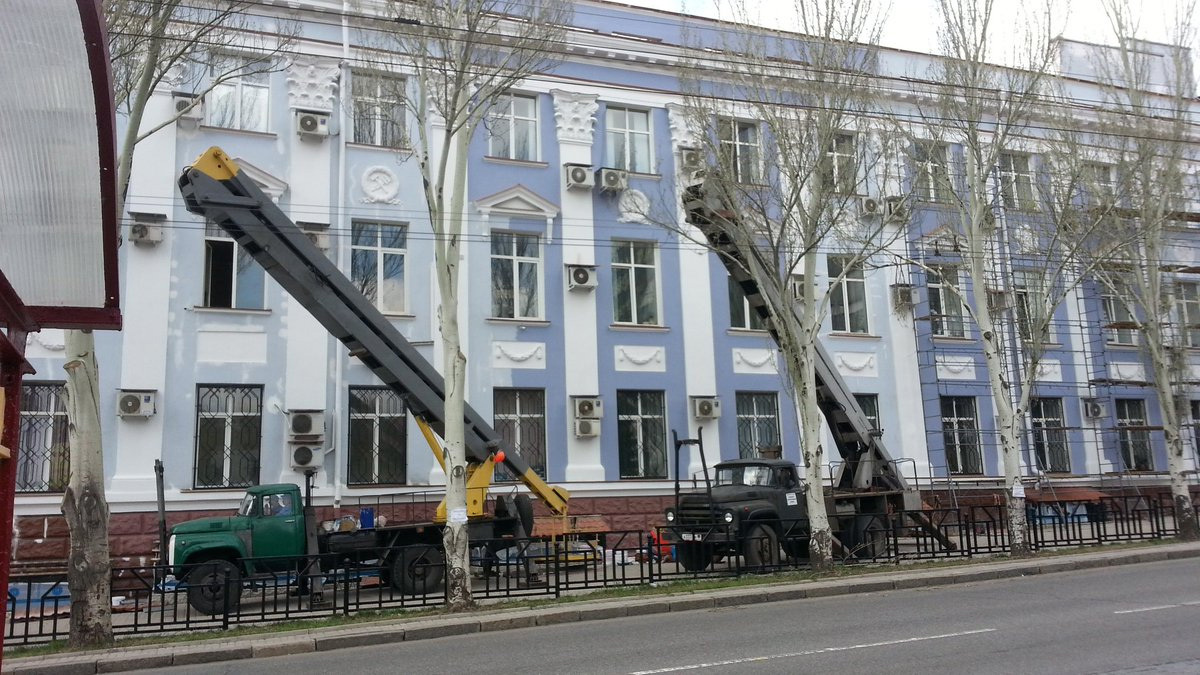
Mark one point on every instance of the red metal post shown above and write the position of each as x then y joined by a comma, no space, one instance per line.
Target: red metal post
13,367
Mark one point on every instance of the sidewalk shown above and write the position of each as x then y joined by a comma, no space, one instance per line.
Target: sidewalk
402,629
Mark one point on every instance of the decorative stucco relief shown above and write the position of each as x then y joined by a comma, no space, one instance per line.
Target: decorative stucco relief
856,363
1049,371
380,185
684,131
754,361
643,359
50,339
519,354
634,206
312,83
1129,372
955,367
575,115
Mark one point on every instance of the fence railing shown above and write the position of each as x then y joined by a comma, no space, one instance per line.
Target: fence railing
218,595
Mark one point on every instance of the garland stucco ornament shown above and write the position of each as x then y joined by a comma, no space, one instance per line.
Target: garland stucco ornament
633,206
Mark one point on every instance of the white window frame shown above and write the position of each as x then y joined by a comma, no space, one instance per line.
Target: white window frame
376,416
1101,184
1187,305
1025,292
842,164
1014,172
628,133
642,415
1130,440
222,65
505,114
1115,311
961,424
839,293
631,268
741,315
517,262
949,319
741,158
1048,426
214,235
527,409
871,411
228,394
931,182
382,95
381,252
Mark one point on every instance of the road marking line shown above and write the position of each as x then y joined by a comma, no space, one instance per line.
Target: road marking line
810,652
1148,609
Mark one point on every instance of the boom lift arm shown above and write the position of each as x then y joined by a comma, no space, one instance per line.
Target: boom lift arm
866,463
214,187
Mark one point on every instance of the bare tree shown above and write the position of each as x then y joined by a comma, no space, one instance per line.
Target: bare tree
994,196
1147,116
148,40
804,100
463,59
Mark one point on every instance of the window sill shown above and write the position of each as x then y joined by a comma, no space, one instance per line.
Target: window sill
505,321
1121,346
230,310
529,163
215,490
398,316
953,339
386,148
641,478
748,332
376,486
638,328
240,132
638,174
861,336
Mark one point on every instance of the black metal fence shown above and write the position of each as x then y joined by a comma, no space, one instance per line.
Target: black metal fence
149,599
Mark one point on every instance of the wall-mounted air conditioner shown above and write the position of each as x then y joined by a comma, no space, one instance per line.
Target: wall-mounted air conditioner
706,407
581,277
589,407
137,402
579,176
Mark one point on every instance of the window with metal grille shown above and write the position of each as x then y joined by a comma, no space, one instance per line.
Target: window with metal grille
741,155
642,434
377,257
378,109
519,416
757,423
232,279
43,449
960,431
1133,437
228,435
848,297
946,315
513,128
516,275
1049,435
635,284
378,441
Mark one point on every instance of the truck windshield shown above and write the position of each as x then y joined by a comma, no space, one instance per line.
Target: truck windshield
744,475
247,506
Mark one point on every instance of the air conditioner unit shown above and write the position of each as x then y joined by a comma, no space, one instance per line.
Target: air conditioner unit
895,209
869,206
306,456
146,233
581,277
1093,408
904,296
183,101
312,123
306,426
587,428
706,407
612,180
690,159
579,176
587,407
137,402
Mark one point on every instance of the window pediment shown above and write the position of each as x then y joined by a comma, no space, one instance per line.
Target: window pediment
273,187
521,202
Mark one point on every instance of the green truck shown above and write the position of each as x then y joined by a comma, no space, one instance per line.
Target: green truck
267,538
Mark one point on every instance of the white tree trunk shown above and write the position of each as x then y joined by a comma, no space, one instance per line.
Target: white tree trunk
1165,375
820,543
84,505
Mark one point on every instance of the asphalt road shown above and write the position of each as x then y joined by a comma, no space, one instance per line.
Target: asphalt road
1131,619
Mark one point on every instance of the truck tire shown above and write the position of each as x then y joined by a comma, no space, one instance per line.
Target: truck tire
761,546
208,583
870,538
694,556
417,570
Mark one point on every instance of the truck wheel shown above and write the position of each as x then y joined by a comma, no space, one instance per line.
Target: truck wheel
761,546
694,556
207,585
417,570
870,538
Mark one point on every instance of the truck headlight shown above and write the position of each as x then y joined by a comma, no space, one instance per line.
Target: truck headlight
171,552
670,515
728,517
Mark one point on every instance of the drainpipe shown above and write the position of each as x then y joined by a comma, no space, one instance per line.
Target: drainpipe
338,367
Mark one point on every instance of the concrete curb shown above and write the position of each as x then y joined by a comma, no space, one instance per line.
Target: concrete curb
401,630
